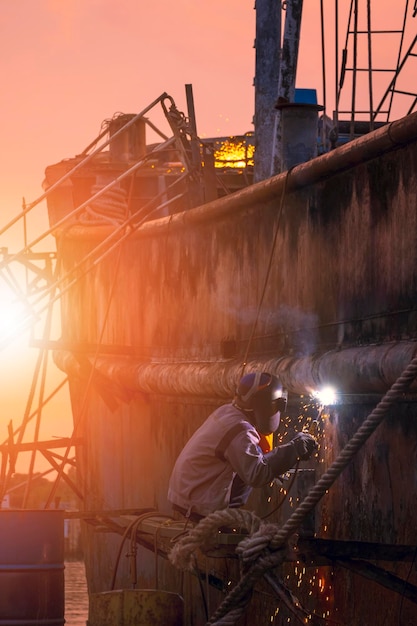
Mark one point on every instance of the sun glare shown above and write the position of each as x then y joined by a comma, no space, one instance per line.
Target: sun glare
14,315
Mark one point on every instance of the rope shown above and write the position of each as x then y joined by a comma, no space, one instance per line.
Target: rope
234,605
359,438
239,594
252,547
206,531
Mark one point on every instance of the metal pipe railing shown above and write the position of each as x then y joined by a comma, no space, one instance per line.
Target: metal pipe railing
81,164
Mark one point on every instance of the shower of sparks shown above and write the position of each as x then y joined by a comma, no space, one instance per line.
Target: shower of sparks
234,152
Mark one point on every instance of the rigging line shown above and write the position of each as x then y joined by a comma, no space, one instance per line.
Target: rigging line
83,408
323,61
370,86
336,56
268,271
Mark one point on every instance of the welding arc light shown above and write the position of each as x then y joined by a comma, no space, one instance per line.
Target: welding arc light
326,396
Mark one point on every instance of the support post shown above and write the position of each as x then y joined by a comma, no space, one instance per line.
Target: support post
267,65
287,75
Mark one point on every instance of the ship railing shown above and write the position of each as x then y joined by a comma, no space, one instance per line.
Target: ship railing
88,157
26,257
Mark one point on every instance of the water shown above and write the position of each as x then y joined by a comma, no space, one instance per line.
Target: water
76,597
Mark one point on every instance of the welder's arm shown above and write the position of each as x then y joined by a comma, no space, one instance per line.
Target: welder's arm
284,457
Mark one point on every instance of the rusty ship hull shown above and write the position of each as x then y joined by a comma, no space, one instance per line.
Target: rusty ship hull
311,275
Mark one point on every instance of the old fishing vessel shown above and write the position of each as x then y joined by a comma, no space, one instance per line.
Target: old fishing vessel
177,272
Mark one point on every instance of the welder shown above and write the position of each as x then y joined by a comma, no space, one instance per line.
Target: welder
223,460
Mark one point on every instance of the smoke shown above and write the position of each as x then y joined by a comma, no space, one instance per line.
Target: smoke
291,329
299,328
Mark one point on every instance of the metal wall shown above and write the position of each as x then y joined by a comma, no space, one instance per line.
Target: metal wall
173,309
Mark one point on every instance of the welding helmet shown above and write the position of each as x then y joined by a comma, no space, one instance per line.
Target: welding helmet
262,397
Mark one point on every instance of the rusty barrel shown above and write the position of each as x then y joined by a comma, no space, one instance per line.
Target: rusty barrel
31,568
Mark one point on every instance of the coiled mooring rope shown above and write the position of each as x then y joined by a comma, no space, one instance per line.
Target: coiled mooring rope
268,551
206,531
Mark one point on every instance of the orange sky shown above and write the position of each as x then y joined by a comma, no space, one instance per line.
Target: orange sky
67,65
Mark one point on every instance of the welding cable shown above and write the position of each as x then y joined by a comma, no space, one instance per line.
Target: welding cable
197,573
131,528
268,271
287,493
167,523
119,553
240,591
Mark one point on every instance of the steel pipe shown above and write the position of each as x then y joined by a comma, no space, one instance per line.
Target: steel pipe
363,370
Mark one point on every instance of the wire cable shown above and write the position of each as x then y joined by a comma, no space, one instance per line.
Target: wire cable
268,271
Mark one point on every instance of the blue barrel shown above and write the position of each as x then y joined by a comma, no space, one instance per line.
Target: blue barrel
32,568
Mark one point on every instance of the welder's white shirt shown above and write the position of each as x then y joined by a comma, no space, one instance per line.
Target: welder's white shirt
200,481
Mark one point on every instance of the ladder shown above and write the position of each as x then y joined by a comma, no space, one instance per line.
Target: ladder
366,76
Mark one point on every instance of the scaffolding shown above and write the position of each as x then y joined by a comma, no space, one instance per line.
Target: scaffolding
42,283
364,68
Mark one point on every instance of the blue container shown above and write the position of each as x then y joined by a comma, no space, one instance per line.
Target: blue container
32,568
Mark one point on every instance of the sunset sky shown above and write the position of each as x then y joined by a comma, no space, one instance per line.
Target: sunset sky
67,65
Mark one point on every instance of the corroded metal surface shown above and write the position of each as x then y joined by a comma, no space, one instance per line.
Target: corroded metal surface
185,294
136,607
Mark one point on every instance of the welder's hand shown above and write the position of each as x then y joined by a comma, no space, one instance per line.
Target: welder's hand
305,445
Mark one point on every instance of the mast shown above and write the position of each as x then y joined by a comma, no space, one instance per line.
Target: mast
267,64
287,74
275,75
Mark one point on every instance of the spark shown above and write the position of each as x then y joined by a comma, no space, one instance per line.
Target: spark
326,396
